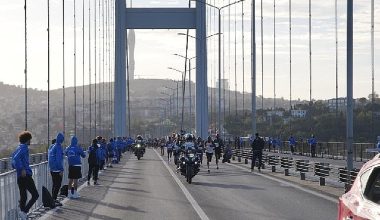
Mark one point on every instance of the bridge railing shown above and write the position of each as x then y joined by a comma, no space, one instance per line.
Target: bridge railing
293,166
6,163
9,193
330,150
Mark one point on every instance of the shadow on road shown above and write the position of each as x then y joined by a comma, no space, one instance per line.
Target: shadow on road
227,186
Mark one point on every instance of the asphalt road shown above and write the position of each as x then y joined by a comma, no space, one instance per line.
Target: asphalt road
145,189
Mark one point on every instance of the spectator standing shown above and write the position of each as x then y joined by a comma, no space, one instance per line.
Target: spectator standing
257,151
55,161
74,154
25,182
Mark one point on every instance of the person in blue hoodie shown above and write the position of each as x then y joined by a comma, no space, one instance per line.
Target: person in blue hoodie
111,152
93,162
313,145
55,160
103,153
292,144
74,154
25,182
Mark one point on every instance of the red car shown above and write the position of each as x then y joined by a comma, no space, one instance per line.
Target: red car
362,202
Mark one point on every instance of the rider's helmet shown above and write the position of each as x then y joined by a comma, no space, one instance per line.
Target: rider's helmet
189,137
139,138
199,139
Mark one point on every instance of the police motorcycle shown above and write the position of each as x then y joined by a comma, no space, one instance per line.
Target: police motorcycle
189,162
139,147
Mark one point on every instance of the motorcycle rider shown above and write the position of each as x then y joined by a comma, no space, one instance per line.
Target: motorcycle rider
209,151
188,148
218,144
140,141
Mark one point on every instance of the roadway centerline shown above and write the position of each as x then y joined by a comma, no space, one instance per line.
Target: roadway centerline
320,195
189,197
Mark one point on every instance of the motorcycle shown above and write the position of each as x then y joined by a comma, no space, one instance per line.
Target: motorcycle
139,151
189,165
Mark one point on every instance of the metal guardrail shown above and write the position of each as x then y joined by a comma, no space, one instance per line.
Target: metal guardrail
9,193
6,165
330,150
290,165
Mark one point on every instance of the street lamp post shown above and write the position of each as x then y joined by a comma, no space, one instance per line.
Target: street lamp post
219,55
170,102
190,103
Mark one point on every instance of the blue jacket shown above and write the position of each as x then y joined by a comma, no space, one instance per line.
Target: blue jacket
20,160
312,141
55,154
292,141
111,148
74,152
103,151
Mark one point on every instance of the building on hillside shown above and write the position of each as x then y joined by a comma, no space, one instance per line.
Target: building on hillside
278,113
299,113
340,102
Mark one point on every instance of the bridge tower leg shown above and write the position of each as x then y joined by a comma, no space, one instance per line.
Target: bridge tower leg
201,93
120,106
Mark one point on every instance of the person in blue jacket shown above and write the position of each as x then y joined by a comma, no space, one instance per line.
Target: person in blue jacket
25,182
93,162
111,152
119,146
74,154
103,153
292,143
313,145
55,160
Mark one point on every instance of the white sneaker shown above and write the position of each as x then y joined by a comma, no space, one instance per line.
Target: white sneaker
22,215
76,195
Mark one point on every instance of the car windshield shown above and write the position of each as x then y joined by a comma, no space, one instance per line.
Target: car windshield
372,191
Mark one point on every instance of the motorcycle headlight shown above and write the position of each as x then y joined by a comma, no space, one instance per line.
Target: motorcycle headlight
196,163
184,162
138,146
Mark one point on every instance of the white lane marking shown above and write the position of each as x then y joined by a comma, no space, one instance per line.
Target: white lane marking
189,197
320,195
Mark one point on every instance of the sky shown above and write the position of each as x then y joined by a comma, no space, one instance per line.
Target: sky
155,48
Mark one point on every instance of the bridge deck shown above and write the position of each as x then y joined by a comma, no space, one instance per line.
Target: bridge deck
146,189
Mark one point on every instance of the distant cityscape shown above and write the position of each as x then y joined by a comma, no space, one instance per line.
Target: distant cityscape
152,101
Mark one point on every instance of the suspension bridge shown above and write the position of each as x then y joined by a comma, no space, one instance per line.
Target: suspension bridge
101,68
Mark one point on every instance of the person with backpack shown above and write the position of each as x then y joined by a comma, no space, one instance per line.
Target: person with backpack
25,182
93,162
111,152
55,161
257,151
74,154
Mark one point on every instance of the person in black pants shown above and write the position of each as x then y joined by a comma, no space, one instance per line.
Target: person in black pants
20,162
93,162
55,160
257,151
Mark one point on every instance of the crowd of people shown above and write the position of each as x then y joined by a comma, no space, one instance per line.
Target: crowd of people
100,155
178,143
